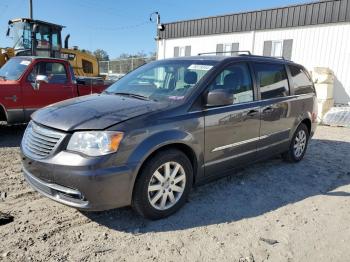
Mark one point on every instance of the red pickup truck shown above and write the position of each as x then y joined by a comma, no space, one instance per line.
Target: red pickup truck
30,83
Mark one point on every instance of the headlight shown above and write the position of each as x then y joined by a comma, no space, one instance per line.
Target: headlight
95,143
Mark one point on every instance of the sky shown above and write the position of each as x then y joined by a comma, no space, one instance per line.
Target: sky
120,26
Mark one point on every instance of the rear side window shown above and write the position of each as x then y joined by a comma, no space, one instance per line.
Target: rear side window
302,83
272,80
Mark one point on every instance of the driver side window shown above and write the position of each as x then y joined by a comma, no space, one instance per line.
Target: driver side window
237,81
55,72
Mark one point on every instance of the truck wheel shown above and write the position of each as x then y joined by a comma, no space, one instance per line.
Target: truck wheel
163,185
298,145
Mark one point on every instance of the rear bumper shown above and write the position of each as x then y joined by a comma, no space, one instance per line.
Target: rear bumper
85,187
313,129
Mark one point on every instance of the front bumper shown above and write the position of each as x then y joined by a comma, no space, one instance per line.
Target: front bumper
80,182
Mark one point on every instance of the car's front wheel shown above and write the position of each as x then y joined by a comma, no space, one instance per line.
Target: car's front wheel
163,184
298,145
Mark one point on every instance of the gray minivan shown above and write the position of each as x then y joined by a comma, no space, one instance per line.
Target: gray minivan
167,126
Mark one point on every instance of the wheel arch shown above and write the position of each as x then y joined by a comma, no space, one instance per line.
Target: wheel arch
304,118
307,122
182,147
3,113
177,141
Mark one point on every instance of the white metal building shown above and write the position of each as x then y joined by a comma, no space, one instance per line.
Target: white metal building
314,34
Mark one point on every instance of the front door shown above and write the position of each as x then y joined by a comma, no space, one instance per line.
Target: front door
276,121
11,100
232,131
58,88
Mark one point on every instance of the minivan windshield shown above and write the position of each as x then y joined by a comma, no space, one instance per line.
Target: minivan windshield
163,81
14,68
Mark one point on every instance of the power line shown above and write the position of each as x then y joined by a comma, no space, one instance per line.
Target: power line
120,28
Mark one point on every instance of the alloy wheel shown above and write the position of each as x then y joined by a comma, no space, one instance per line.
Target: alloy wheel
300,143
166,185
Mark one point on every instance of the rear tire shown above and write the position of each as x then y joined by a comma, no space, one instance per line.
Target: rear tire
163,185
298,145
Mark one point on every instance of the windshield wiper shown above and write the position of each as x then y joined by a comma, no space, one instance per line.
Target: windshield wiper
130,95
3,77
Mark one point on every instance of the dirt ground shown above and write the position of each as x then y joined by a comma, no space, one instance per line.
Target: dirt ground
271,211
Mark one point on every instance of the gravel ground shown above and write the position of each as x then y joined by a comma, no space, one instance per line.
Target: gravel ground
271,211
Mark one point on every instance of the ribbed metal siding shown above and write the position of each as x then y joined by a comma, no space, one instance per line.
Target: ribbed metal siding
291,16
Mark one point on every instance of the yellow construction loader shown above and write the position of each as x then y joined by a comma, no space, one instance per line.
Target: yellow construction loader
39,38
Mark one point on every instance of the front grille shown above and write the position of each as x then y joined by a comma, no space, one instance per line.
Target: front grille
39,142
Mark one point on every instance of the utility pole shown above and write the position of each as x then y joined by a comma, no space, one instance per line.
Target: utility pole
31,9
158,18
159,27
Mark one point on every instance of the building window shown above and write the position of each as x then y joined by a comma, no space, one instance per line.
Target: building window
182,51
278,48
227,49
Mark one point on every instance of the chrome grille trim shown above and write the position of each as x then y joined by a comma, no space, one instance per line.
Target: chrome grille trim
40,142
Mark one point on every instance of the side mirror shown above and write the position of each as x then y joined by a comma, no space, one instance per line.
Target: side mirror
38,80
219,97
41,78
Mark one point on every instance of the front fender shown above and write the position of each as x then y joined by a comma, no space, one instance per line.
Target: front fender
162,139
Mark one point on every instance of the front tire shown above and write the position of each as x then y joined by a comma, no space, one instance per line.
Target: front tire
298,145
163,185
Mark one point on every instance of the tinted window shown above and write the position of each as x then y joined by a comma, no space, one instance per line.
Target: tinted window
302,83
55,72
235,79
87,66
272,79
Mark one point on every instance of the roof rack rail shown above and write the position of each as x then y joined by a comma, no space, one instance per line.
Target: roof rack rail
279,57
244,52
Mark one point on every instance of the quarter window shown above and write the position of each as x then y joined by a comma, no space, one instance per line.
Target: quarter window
272,80
301,81
236,80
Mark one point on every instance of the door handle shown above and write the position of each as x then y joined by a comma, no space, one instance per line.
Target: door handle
252,113
268,110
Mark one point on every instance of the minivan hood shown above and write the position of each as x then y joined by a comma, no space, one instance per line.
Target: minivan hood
93,112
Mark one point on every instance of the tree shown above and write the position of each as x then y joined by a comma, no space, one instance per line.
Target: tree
101,55
86,51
